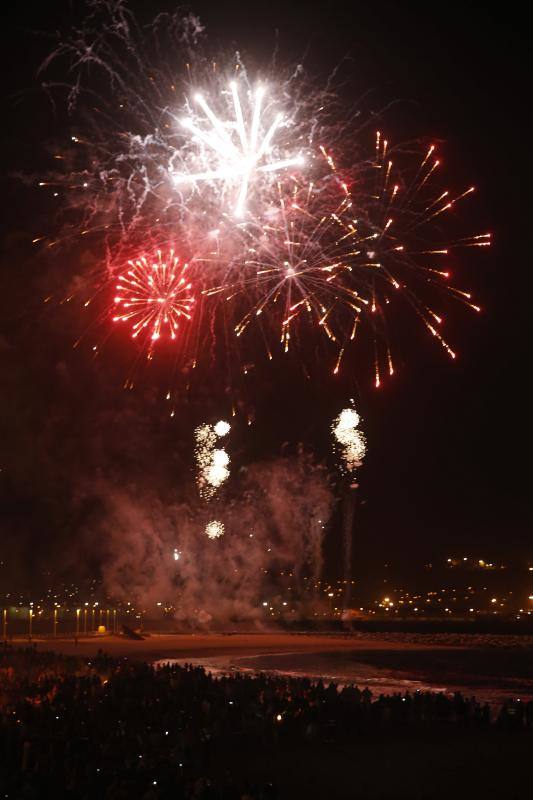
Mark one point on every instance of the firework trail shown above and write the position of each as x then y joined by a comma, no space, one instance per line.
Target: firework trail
352,445
294,224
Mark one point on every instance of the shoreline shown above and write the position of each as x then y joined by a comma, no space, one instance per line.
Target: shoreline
492,668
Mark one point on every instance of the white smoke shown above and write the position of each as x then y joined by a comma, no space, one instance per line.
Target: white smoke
275,525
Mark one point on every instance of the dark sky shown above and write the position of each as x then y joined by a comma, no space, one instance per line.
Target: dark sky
449,446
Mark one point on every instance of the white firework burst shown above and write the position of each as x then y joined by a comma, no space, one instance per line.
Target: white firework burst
235,151
350,439
212,462
214,529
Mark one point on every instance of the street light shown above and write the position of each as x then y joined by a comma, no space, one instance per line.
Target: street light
78,621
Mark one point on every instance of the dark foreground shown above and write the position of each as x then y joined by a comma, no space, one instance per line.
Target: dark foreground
108,728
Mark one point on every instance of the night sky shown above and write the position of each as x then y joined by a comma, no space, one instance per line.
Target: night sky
447,467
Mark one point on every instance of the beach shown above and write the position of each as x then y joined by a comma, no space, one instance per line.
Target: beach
493,668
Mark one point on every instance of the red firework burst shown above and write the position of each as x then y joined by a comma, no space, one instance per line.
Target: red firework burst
154,295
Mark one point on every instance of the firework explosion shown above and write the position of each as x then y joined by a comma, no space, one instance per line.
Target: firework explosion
241,161
292,229
213,467
214,529
350,439
222,428
212,461
153,296
329,260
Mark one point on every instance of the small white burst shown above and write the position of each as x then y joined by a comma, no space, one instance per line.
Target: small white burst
176,554
234,151
350,439
214,529
222,428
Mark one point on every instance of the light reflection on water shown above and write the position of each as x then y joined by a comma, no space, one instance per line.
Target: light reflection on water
378,680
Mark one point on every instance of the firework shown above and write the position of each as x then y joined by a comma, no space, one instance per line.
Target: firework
217,471
299,226
349,439
212,461
235,151
293,266
333,258
390,236
222,428
214,529
154,296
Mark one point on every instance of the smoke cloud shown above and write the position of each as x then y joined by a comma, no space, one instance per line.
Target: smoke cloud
274,525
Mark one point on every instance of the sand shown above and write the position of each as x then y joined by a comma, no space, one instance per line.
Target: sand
494,669
201,645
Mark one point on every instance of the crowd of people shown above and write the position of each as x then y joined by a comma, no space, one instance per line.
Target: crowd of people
120,730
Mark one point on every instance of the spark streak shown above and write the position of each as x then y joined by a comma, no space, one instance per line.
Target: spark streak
235,162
